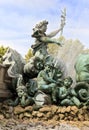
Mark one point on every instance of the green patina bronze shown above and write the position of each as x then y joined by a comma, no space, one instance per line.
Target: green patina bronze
82,68
43,75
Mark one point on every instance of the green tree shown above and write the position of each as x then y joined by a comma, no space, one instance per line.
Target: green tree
2,50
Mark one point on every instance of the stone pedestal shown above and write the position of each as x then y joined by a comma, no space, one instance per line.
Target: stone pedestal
5,82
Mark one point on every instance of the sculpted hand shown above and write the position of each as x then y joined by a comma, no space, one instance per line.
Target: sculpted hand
60,43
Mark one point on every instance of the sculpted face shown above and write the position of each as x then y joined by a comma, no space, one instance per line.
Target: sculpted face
44,28
21,91
47,68
67,82
39,66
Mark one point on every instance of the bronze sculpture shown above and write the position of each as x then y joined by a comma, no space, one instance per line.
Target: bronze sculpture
43,74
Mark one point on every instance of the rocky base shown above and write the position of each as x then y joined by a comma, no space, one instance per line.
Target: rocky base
55,117
52,112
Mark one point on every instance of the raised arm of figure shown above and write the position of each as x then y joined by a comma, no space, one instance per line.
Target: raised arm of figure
13,103
54,33
47,78
49,40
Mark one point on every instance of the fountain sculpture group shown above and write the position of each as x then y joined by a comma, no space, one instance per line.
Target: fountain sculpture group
41,80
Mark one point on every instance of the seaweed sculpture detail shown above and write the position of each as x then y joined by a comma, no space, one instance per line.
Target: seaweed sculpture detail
82,68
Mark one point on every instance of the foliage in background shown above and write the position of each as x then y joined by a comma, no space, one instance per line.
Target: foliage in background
54,48
3,50
28,55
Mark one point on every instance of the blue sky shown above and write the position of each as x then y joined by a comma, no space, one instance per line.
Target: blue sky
18,17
